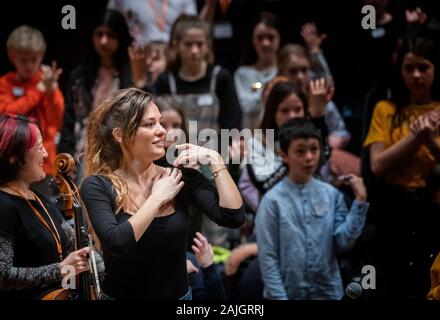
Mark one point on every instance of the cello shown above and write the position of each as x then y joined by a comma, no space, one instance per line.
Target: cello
69,201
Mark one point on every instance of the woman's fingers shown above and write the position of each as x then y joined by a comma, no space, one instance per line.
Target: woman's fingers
201,238
195,249
83,251
83,268
176,174
183,146
182,160
180,185
184,153
197,242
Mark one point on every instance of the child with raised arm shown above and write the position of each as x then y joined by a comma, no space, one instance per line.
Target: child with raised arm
206,282
32,89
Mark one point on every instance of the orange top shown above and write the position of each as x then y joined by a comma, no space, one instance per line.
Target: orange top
412,171
25,98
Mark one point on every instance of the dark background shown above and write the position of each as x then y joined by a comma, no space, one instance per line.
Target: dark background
340,20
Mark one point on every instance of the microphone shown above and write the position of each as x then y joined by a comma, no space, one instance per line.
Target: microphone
353,291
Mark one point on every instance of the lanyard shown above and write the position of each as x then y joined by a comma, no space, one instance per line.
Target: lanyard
53,230
161,15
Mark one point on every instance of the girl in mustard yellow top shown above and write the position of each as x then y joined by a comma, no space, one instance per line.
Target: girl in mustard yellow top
404,147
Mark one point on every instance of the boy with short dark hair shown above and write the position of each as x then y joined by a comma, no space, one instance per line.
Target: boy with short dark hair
303,223
32,89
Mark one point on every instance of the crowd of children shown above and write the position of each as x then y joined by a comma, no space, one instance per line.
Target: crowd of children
306,207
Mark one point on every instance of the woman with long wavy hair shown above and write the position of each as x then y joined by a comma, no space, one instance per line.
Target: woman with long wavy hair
138,209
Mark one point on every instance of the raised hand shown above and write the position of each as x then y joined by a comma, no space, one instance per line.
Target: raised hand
49,80
191,154
138,65
357,185
203,251
141,60
416,16
313,40
319,93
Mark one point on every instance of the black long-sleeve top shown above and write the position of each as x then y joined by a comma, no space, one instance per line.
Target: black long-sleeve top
154,267
29,261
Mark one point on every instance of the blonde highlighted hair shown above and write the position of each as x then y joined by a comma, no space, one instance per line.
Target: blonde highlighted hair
27,39
103,154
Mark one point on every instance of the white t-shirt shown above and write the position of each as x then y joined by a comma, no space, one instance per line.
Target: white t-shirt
143,17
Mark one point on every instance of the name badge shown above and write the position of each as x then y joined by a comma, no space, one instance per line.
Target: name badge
17,92
320,209
378,33
205,100
222,30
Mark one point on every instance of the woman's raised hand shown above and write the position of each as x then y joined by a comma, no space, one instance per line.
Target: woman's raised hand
191,154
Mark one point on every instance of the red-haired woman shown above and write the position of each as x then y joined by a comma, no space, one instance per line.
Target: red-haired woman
35,242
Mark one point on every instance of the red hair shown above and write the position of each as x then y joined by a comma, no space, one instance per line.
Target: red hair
18,135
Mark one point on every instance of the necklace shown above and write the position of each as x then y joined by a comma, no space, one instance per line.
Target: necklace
52,228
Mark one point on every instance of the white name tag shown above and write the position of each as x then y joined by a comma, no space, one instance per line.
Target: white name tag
205,100
223,30
17,92
378,33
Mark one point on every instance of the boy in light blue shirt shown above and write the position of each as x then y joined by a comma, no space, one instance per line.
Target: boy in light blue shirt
302,224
